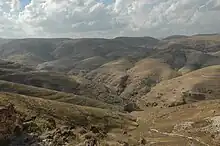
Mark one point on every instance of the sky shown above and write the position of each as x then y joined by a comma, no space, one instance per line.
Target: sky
107,18
23,3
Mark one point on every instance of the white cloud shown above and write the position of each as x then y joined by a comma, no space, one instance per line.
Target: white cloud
95,18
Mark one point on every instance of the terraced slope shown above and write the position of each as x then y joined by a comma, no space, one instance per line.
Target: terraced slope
202,84
59,82
185,58
145,74
111,73
64,112
10,87
69,54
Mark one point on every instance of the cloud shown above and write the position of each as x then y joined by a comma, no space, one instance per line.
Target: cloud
99,18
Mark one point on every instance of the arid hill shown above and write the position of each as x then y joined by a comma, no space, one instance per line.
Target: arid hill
202,84
145,74
40,51
46,122
125,91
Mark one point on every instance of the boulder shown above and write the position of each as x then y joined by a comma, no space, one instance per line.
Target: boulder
130,107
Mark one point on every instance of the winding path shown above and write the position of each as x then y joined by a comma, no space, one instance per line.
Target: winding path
171,134
179,135
211,76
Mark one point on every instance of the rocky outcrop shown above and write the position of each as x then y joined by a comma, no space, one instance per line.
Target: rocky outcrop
122,84
9,122
190,96
130,107
59,136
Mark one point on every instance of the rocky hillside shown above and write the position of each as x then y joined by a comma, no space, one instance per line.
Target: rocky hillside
45,122
125,91
202,84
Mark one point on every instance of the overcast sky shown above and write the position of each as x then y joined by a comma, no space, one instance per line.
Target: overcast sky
107,18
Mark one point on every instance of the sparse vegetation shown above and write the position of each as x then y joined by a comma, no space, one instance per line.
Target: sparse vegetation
111,92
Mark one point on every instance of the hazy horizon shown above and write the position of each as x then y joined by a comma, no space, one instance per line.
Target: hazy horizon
108,38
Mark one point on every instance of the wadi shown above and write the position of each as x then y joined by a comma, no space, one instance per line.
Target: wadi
125,91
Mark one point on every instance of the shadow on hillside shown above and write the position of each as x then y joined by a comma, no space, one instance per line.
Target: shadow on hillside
21,140
209,88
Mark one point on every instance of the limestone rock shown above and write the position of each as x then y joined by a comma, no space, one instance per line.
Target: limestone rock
8,121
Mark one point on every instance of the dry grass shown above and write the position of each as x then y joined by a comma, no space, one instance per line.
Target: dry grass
151,67
141,75
60,82
52,95
168,121
111,72
65,113
168,126
145,74
214,38
48,80
88,64
203,81
207,37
